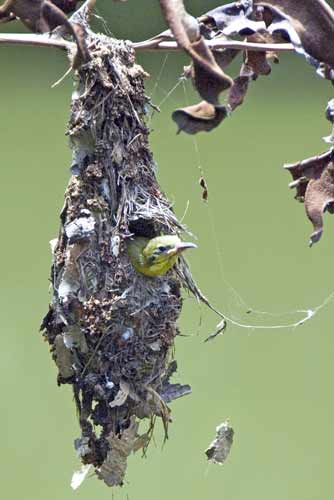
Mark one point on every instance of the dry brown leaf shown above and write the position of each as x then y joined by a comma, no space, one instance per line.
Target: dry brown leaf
255,63
52,17
224,57
234,18
258,61
170,392
113,469
313,21
238,91
184,27
67,6
63,358
142,442
201,117
314,180
208,77
42,16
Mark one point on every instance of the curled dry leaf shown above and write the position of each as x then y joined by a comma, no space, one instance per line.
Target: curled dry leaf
113,469
184,27
174,391
238,91
313,21
259,61
67,6
308,25
319,197
314,180
52,17
42,16
63,358
208,77
224,57
30,13
255,63
234,18
201,117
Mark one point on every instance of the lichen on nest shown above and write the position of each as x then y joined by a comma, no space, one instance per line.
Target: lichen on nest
112,330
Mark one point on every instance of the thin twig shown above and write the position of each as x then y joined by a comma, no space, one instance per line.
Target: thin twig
215,44
35,40
148,45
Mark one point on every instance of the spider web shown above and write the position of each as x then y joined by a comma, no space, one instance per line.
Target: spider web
239,306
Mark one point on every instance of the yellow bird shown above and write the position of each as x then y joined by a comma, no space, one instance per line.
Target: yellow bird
156,256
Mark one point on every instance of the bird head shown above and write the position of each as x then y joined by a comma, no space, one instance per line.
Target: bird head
161,253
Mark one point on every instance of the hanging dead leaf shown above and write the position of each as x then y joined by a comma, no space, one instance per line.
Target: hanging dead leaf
63,358
30,12
238,91
224,57
313,21
52,17
257,62
234,18
113,469
302,172
208,78
184,27
67,6
308,25
202,183
201,117
319,197
314,180
42,16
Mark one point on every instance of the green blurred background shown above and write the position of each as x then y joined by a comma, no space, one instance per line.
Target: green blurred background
275,386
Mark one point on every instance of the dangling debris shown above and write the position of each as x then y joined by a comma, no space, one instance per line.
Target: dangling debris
220,447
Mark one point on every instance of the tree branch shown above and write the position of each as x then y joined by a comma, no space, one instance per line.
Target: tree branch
147,45
35,40
214,44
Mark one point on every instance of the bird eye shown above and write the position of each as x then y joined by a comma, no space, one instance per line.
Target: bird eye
162,248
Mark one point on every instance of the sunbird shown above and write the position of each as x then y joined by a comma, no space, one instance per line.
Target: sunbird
156,256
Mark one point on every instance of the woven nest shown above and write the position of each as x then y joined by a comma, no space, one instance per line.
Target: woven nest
111,330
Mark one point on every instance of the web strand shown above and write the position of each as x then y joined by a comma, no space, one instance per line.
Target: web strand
307,314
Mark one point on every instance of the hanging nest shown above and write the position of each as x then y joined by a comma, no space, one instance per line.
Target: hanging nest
111,330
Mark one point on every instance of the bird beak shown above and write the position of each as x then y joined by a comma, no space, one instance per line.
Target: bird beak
180,247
